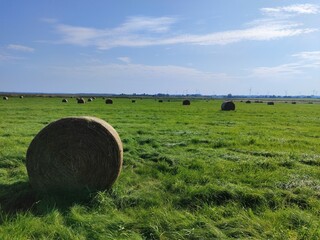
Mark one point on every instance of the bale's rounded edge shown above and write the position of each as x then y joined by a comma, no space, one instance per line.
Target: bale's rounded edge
38,172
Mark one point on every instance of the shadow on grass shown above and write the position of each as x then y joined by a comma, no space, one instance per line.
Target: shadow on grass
20,197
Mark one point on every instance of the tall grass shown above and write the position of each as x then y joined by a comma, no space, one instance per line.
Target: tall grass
190,172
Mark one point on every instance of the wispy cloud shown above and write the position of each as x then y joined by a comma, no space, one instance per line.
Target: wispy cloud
21,48
304,60
147,31
8,58
148,78
124,59
292,9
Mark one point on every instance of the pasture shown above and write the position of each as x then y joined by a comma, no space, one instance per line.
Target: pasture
189,172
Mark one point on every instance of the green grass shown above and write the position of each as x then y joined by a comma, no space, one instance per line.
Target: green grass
189,172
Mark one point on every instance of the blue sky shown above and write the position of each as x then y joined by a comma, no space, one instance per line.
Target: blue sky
175,47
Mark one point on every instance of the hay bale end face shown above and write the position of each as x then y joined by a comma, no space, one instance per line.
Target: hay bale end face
81,100
21,96
64,100
90,100
5,98
73,154
186,102
228,106
109,101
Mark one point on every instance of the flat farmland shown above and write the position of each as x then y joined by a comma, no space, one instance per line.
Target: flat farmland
189,172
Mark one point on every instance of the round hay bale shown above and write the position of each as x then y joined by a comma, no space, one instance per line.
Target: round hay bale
81,100
228,106
186,102
5,98
90,100
109,101
248,101
21,96
133,101
294,102
270,103
73,154
64,100
160,101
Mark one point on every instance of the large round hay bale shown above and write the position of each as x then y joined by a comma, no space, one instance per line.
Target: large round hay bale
186,102
81,100
109,101
270,103
64,100
5,98
90,99
160,101
228,106
133,100
21,96
293,102
248,101
74,153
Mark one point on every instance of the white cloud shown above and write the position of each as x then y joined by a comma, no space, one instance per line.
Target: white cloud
130,78
8,58
313,56
21,48
124,59
305,60
141,31
292,9
125,36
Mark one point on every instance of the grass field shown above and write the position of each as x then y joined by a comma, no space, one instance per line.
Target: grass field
190,172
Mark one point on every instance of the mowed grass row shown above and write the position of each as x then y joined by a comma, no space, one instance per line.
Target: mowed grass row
190,172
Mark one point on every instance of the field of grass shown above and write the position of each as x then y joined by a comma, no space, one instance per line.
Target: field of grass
189,172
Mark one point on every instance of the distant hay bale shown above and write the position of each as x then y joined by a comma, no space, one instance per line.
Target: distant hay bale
186,102
169,100
248,101
270,103
294,102
90,100
160,101
81,100
74,153
228,106
109,101
21,96
5,98
64,100
93,98
133,101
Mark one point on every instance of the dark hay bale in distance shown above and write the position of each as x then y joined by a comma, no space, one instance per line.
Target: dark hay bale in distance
186,102
21,96
228,106
74,154
270,103
109,101
133,101
5,98
81,100
90,100
294,102
64,100
160,101
248,101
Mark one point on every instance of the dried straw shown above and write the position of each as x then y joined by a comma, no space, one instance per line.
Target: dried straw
75,153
